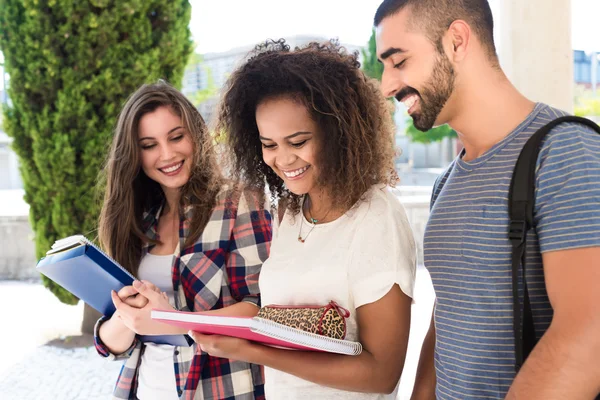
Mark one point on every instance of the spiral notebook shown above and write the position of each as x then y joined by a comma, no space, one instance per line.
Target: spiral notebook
257,330
79,266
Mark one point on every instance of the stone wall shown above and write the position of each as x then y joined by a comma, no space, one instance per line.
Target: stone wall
17,250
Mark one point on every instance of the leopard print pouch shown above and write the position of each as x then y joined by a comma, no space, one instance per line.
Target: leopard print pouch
328,320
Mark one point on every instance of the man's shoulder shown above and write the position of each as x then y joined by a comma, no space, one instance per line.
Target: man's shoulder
548,114
564,141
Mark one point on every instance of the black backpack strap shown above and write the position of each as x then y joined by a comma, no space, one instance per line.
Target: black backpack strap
521,203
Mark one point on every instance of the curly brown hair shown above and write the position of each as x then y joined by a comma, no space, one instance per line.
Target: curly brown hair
356,149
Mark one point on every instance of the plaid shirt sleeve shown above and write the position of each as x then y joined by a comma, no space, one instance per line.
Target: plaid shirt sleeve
249,247
103,350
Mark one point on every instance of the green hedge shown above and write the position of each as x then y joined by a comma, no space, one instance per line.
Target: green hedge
72,64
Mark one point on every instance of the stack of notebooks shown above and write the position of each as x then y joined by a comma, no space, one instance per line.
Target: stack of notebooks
80,267
257,330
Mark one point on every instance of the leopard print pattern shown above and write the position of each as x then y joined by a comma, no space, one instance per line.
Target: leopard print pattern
332,325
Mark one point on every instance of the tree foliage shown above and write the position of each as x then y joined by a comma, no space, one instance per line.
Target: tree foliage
436,134
370,65
72,64
587,104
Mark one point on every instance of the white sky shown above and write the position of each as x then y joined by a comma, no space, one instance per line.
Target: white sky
219,25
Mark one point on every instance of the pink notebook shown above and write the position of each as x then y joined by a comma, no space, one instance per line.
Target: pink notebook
258,330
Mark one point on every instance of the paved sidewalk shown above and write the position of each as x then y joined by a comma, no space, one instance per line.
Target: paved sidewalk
52,372
43,355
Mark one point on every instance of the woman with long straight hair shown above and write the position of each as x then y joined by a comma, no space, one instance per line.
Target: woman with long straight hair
193,241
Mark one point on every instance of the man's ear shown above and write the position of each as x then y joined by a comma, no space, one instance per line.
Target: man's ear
457,40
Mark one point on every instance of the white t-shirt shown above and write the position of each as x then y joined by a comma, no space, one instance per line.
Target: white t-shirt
156,379
354,260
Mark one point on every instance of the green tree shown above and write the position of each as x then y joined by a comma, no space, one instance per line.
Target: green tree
374,69
72,65
586,104
433,135
371,65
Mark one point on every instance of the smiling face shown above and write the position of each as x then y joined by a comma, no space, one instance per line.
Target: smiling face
166,148
288,136
415,72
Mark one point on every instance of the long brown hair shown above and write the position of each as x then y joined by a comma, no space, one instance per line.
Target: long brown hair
128,190
357,147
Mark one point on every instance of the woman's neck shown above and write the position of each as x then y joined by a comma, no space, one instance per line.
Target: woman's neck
172,197
319,207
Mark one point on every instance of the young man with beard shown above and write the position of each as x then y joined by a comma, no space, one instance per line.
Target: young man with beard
440,60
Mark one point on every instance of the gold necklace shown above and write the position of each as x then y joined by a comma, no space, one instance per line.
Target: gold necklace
312,220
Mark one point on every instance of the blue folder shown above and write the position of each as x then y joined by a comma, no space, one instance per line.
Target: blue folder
89,274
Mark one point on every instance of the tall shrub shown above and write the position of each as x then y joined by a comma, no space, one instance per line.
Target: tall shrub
72,65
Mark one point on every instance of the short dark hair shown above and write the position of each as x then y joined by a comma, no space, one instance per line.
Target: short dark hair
357,143
434,17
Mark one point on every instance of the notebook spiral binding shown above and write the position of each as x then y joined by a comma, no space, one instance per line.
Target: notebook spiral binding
303,338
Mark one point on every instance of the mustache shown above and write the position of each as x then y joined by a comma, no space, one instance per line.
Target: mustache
405,92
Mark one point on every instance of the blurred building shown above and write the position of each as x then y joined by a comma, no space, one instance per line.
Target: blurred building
586,68
9,165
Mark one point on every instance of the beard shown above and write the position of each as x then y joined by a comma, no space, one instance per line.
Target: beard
434,95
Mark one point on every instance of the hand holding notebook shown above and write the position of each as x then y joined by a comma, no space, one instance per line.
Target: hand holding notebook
80,267
263,328
138,319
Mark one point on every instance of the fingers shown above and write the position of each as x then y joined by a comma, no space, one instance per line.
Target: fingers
126,292
196,336
151,286
133,318
131,297
200,339
146,290
137,301
154,297
220,346
124,309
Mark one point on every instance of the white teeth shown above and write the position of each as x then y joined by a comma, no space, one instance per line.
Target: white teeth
295,173
171,169
408,103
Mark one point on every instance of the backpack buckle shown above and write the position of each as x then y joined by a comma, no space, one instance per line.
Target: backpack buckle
517,231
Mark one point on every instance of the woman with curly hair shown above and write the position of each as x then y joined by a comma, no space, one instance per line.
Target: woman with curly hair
194,242
312,127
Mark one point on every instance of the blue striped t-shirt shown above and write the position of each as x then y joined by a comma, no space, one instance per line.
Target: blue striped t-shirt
468,254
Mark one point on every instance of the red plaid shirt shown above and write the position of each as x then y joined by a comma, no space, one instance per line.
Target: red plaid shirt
230,252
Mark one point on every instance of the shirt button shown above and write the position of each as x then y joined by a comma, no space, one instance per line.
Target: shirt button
176,352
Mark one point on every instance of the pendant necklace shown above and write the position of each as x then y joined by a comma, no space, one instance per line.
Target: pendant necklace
312,220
